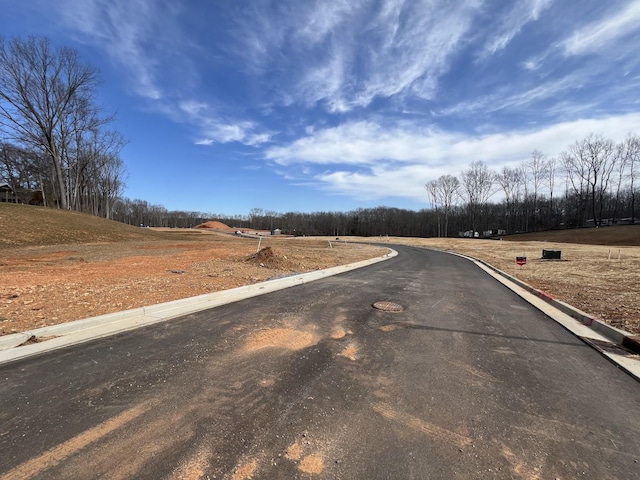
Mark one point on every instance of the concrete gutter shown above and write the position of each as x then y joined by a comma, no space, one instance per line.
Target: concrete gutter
21,345
619,346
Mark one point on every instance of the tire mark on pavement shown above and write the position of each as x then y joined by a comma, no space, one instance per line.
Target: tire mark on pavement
418,424
55,455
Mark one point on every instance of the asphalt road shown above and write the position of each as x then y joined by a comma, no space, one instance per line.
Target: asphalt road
467,381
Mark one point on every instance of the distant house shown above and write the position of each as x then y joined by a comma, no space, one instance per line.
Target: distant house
7,194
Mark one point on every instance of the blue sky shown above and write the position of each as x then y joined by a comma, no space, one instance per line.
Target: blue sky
304,105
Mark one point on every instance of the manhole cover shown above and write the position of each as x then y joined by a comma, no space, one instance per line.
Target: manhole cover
388,306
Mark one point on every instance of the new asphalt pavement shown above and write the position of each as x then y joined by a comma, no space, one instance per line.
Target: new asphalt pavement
450,375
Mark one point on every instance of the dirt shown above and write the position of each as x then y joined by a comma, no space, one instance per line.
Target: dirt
284,338
51,284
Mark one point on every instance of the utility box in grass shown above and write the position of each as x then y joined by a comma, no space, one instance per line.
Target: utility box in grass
551,254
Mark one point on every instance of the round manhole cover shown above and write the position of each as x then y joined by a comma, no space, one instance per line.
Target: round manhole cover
388,307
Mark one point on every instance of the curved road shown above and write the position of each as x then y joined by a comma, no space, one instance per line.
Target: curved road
468,381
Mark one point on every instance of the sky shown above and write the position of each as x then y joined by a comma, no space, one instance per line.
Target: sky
334,105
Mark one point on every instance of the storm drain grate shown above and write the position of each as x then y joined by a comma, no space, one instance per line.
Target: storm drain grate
388,306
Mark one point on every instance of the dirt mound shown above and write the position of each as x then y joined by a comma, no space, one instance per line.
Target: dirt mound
214,225
265,257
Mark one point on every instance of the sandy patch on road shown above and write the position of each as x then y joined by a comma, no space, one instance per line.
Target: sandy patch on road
245,471
294,452
338,333
350,351
286,338
312,464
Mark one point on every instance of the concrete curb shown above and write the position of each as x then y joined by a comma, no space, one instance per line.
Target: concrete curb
13,347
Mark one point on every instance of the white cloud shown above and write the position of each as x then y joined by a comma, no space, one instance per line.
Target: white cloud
370,161
143,39
193,107
217,130
345,53
511,24
412,47
505,98
603,33
123,29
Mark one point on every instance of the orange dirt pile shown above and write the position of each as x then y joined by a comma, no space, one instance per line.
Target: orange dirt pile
214,225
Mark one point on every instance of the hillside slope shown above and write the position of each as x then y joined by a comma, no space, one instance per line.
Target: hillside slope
619,236
26,225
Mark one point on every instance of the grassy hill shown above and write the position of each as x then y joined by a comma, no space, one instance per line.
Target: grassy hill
619,235
25,225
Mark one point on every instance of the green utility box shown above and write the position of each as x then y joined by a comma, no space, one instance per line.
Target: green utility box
551,254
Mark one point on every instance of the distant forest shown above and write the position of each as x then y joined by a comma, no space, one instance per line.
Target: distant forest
593,183
57,149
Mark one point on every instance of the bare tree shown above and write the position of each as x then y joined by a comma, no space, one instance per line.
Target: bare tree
535,168
630,156
477,186
550,176
432,189
449,189
602,155
576,167
42,89
510,181
443,193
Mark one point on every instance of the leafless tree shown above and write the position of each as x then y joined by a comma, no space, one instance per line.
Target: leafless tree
443,193
630,156
589,164
432,189
535,168
603,156
550,175
45,93
477,186
510,181
575,165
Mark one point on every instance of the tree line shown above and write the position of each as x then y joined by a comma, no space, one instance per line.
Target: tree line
594,182
57,149
56,145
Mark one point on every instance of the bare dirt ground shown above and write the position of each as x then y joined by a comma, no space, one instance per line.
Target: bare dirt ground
47,285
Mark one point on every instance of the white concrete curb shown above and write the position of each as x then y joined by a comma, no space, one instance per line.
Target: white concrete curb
79,331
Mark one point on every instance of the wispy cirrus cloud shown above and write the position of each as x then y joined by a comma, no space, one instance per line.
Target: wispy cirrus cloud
346,54
603,33
509,25
143,38
126,31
